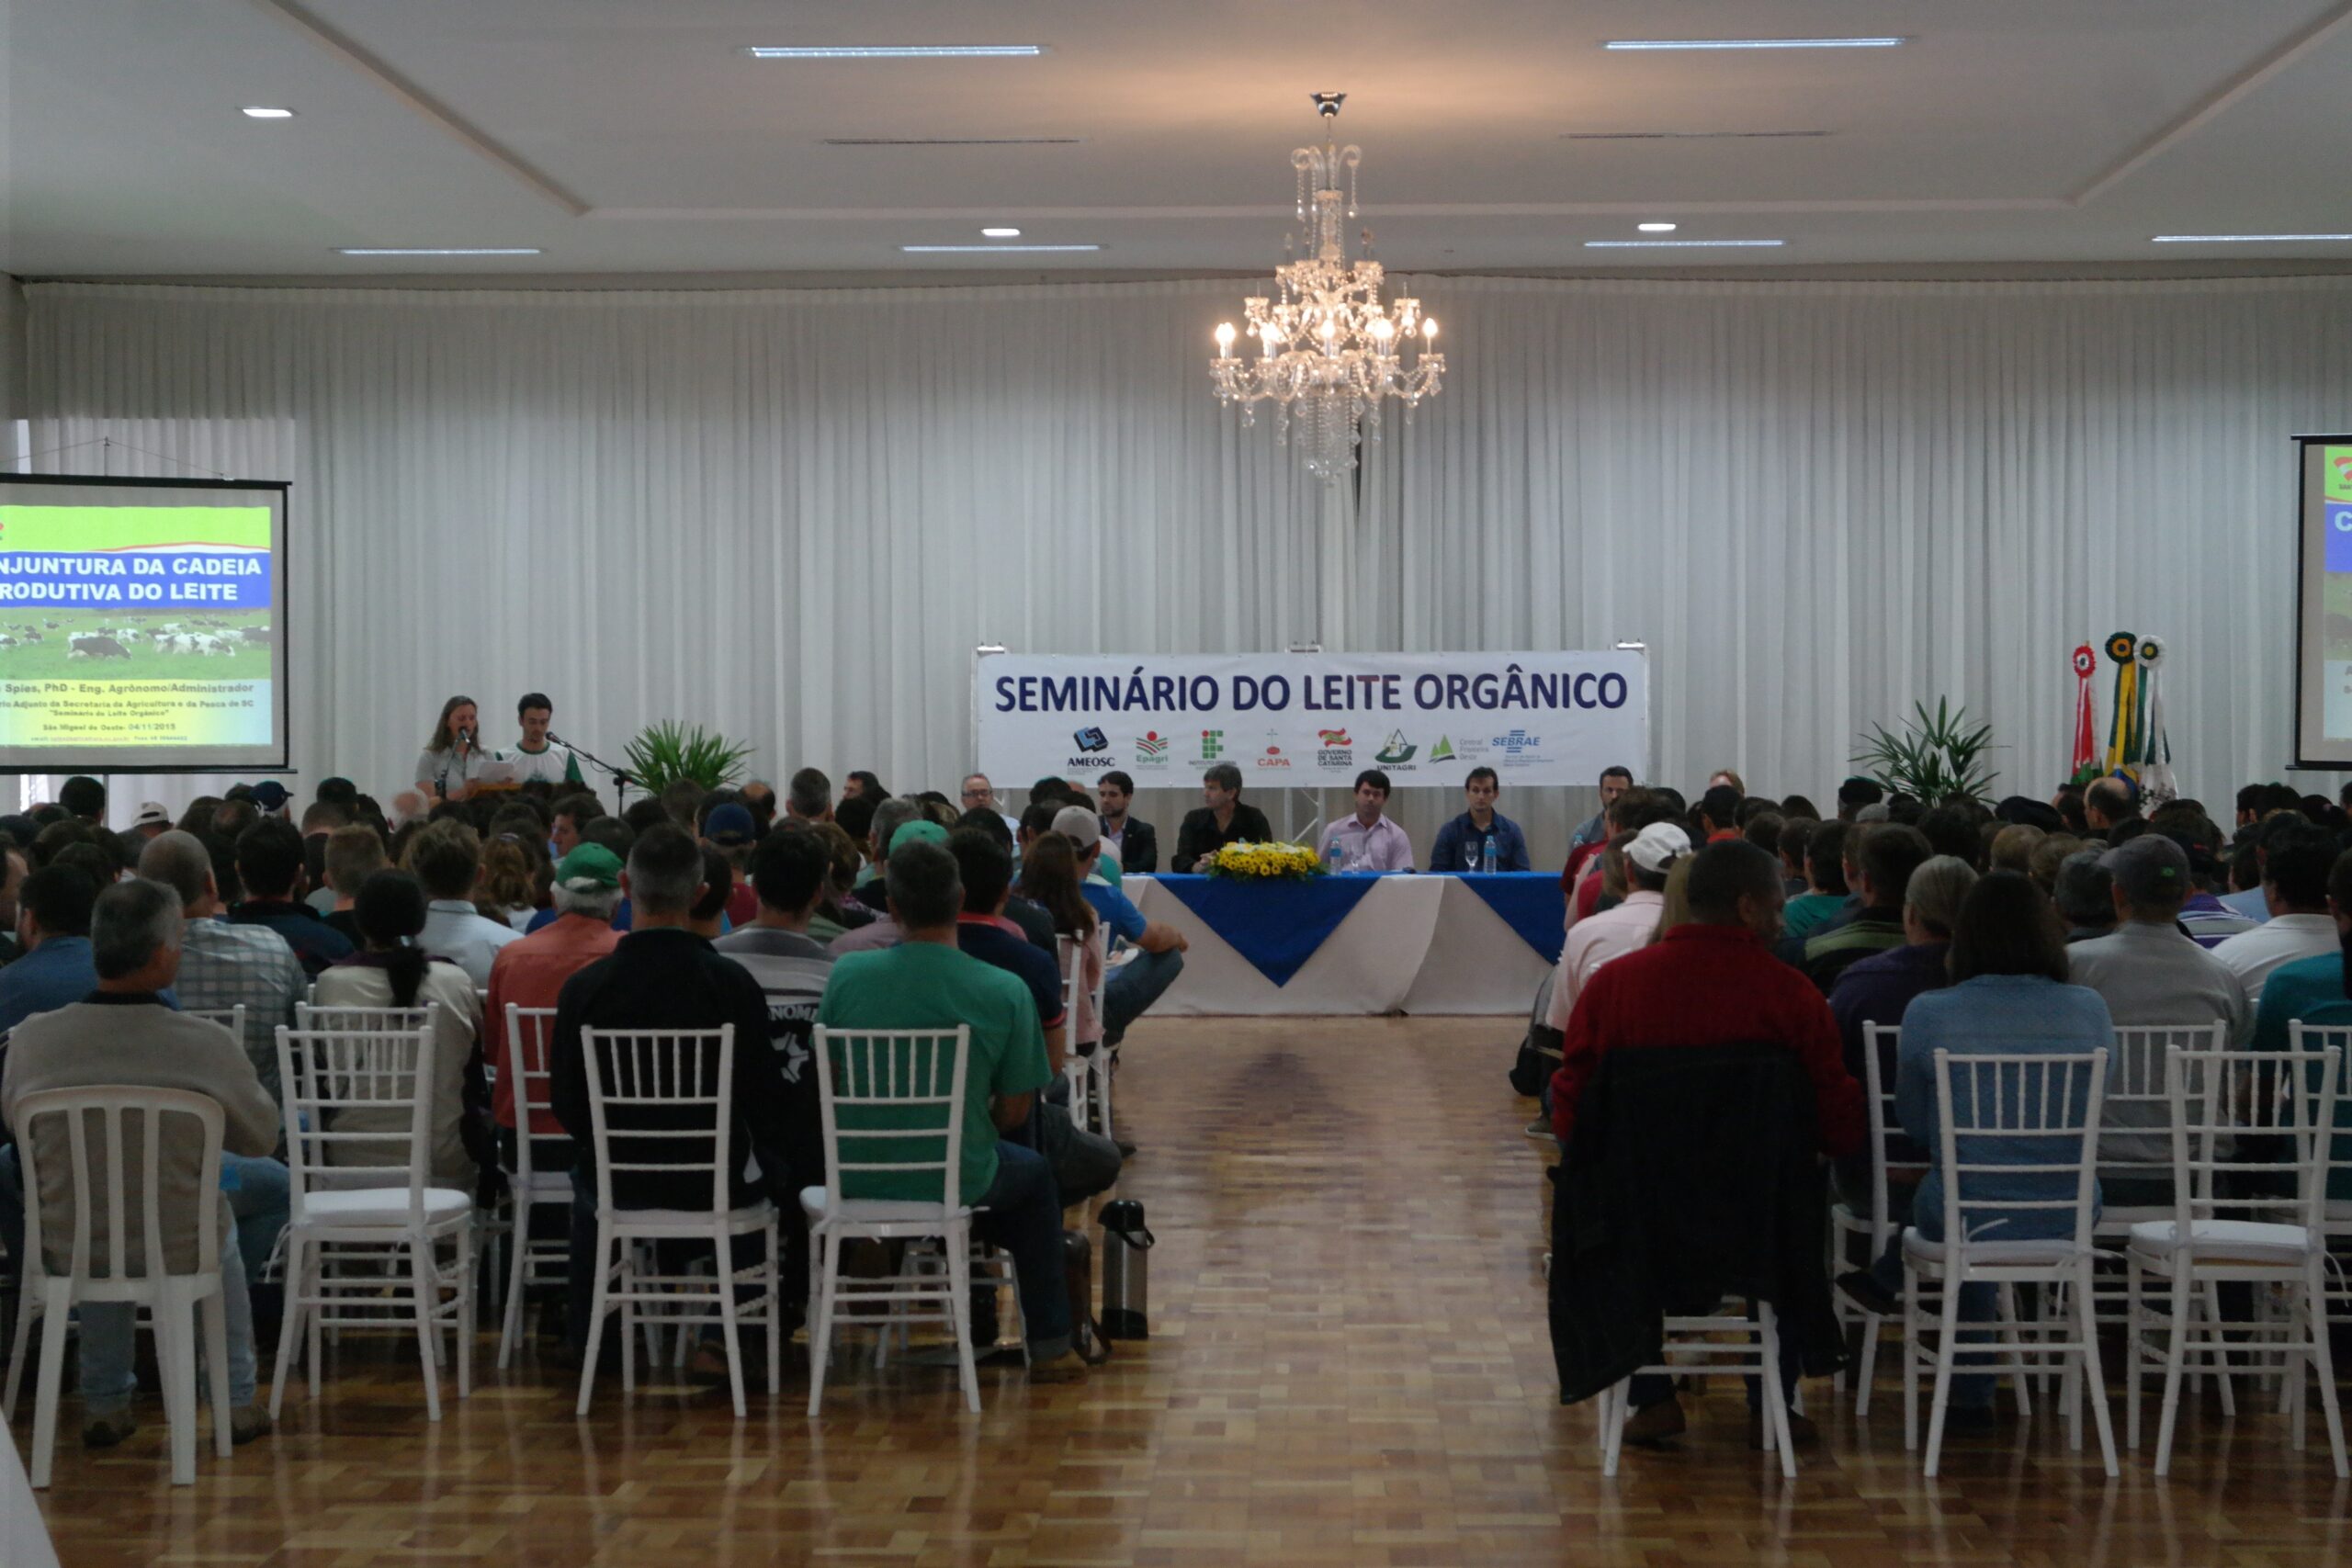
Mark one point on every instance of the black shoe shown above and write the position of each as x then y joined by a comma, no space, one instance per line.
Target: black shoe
1655,1425
1802,1433
106,1431
1861,1287
1127,1150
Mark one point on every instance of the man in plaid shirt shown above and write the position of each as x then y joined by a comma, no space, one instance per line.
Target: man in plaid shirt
222,965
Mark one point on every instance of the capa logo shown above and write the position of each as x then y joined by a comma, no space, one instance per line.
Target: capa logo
1273,758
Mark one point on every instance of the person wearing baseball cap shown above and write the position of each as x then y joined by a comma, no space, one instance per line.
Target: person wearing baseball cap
531,973
1159,948
1649,858
153,817
2150,970
733,830
271,797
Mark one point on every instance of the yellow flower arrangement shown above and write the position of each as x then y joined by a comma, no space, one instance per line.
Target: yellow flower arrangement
1293,862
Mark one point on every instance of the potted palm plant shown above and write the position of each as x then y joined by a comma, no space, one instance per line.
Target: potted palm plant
661,754
1936,755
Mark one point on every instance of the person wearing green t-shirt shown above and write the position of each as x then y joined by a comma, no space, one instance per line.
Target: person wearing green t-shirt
927,982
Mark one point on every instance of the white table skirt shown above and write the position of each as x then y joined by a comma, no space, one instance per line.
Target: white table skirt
1413,945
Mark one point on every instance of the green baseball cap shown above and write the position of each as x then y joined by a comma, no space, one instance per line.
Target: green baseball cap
918,833
589,866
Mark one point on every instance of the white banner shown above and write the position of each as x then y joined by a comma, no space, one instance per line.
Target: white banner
1312,719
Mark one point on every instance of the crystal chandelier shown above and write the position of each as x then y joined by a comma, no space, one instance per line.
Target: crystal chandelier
1328,350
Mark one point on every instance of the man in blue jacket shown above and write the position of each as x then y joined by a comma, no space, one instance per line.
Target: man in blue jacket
1461,843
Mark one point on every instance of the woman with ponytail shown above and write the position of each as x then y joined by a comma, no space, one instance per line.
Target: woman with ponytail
390,971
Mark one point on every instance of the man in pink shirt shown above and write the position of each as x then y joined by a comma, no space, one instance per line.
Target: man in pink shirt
1370,840
1596,939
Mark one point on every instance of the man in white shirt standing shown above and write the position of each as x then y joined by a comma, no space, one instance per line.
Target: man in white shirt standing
1595,940
1369,841
2295,863
535,756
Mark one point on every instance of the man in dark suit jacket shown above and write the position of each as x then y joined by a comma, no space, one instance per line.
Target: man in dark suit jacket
1138,845
1223,820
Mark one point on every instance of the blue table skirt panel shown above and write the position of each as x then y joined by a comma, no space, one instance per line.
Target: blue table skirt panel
1278,925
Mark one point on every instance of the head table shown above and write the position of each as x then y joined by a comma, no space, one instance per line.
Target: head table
1400,942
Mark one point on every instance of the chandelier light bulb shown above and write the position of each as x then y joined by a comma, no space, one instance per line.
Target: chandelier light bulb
1429,327
1224,340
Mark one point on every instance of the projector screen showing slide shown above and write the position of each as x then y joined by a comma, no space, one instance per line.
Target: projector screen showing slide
142,624
2323,605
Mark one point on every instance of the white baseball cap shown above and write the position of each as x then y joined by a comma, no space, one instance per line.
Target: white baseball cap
1658,846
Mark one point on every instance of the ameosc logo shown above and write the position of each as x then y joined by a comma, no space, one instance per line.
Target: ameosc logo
1091,739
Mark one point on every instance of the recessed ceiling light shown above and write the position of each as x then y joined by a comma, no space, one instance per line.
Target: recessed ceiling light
896,52
437,250
1686,135
1002,233
2239,239
262,111
1653,43
1681,244
988,250
951,141
1654,228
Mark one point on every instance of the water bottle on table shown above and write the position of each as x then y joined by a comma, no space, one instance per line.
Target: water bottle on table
1486,860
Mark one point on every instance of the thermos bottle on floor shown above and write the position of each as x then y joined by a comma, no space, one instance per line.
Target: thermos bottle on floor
1126,1272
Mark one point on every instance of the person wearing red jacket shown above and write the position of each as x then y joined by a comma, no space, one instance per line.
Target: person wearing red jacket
1711,982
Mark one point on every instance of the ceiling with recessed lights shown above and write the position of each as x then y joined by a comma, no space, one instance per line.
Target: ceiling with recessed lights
627,137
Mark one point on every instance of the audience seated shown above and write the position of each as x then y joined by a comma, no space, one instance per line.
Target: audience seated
446,860
1084,1162
531,973
731,831
388,972
1650,858
2295,864
660,976
808,798
269,863
1826,892
2009,996
125,1033
926,982
1879,988
2315,990
53,927
1710,982
222,965
898,819
1159,957
1594,831
1225,819
1879,863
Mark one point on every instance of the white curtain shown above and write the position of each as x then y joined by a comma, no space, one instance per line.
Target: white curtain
793,513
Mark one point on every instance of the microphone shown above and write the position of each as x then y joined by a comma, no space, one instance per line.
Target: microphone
555,740
465,738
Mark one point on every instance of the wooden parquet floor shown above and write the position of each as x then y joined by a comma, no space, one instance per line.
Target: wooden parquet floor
1349,1367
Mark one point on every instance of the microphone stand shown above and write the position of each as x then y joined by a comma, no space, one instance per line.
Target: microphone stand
621,781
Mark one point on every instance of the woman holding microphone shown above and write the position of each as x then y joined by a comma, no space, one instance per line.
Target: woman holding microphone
446,769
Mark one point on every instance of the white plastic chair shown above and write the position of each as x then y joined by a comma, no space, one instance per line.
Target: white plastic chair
230,1019
1088,1076
2244,1122
672,1086
127,1116
2051,1103
541,1263
880,1091
2335,1214
1688,1338
351,1220
1875,1226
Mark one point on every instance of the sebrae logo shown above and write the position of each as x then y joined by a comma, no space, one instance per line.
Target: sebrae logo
1516,745
1151,747
1396,751
1442,752
1273,758
1091,739
1212,745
